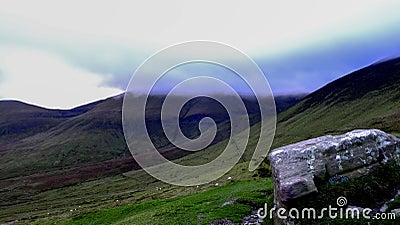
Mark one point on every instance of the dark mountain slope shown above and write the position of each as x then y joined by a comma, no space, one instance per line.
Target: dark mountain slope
35,139
63,138
284,102
366,98
19,120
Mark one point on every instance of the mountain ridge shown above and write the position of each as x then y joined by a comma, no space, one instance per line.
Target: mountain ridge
35,139
366,98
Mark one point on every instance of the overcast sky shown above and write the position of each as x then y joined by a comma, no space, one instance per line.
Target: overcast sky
63,54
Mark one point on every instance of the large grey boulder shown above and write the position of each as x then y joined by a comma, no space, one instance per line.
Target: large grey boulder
297,167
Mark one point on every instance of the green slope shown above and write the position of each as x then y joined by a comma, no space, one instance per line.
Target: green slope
53,139
36,140
366,98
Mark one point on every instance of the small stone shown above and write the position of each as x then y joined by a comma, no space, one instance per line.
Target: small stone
222,222
227,203
396,212
384,208
359,209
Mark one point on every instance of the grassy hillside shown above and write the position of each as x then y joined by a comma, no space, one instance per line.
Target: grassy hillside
54,139
196,208
19,120
42,150
35,140
367,98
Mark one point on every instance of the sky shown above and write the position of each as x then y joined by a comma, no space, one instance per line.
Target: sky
61,54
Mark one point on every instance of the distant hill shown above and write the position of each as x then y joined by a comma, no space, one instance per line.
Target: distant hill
18,119
35,139
88,141
366,98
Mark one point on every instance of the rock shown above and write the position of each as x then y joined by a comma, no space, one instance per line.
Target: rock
252,219
227,203
296,187
222,222
396,212
298,167
359,209
385,206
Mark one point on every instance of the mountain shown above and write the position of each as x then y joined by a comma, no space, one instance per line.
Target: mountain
54,148
18,119
88,142
366,98
284,102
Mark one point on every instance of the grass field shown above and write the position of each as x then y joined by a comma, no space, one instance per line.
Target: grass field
138,196
199,207
119,190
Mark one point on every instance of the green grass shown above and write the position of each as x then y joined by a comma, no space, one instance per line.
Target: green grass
395,204
134,187
197,208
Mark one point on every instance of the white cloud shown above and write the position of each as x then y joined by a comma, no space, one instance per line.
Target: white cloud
151,25
45,79
101,42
